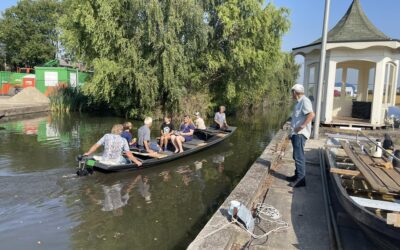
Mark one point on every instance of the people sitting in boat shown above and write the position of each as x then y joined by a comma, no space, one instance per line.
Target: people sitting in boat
199,122
114,146
220,119
184,134
167,129
127,135
143,142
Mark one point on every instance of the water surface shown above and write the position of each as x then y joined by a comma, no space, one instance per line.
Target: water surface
43,205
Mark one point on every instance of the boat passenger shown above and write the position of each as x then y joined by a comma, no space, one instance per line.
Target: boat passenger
126,134
184,134
199,122
220,119
166,131
143,142
114,146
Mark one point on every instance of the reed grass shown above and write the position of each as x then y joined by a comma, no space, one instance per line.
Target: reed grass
65,100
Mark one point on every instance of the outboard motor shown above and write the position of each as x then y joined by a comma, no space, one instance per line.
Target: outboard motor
85,165
240,212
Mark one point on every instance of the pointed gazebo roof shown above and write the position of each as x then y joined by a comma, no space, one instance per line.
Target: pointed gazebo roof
354,26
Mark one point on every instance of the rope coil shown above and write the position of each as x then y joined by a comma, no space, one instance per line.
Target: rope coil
263,212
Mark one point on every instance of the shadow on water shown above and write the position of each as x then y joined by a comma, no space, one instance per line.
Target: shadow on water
41,201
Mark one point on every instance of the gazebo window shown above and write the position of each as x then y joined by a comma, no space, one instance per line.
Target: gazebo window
397,101
389,84
351,85
312,82
371,84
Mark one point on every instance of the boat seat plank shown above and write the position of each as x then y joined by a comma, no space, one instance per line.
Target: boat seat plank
188,146
369,176
377,204
378,166
345,172
152,155
380,173
395,175
194,142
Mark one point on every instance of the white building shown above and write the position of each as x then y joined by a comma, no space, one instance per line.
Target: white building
356,48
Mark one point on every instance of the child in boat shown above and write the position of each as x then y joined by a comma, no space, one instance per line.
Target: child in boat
184,134
199,122
127,135
166,131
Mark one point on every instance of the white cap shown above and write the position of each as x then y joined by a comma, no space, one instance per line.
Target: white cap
197,113
298,88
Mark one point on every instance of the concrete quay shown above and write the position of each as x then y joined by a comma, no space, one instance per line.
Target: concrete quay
8,109
302,208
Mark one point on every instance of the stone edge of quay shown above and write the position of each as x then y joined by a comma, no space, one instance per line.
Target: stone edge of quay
250,190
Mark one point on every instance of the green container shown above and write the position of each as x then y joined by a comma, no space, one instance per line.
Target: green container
16,78
55,76
4,78
82,78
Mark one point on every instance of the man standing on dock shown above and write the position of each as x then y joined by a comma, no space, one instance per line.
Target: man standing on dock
302,116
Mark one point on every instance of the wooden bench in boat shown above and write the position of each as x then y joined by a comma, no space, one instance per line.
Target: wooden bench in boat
152,155
194,143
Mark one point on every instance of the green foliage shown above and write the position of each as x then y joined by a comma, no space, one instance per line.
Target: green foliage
177,55
29,32
245,52
65,100
283,80
143,53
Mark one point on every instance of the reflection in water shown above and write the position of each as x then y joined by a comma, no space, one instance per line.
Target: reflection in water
158,208
219,160
144,188
165,175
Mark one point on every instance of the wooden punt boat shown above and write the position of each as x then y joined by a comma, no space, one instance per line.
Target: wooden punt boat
369,196
202,139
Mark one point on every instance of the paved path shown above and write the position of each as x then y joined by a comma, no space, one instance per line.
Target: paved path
303,208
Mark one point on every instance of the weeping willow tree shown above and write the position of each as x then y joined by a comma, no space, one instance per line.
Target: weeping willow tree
167,55
283,80
245,50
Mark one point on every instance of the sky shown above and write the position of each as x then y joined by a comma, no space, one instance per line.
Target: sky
307,16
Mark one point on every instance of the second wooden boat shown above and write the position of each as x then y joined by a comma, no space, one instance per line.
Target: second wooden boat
374,207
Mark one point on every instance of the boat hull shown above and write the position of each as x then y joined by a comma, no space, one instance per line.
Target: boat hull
155,162
375,228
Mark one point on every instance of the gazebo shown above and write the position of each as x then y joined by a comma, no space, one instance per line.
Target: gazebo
361,71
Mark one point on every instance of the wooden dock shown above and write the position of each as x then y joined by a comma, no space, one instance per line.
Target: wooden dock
353,123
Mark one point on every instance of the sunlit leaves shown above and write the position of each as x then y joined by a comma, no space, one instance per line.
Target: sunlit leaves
147,54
